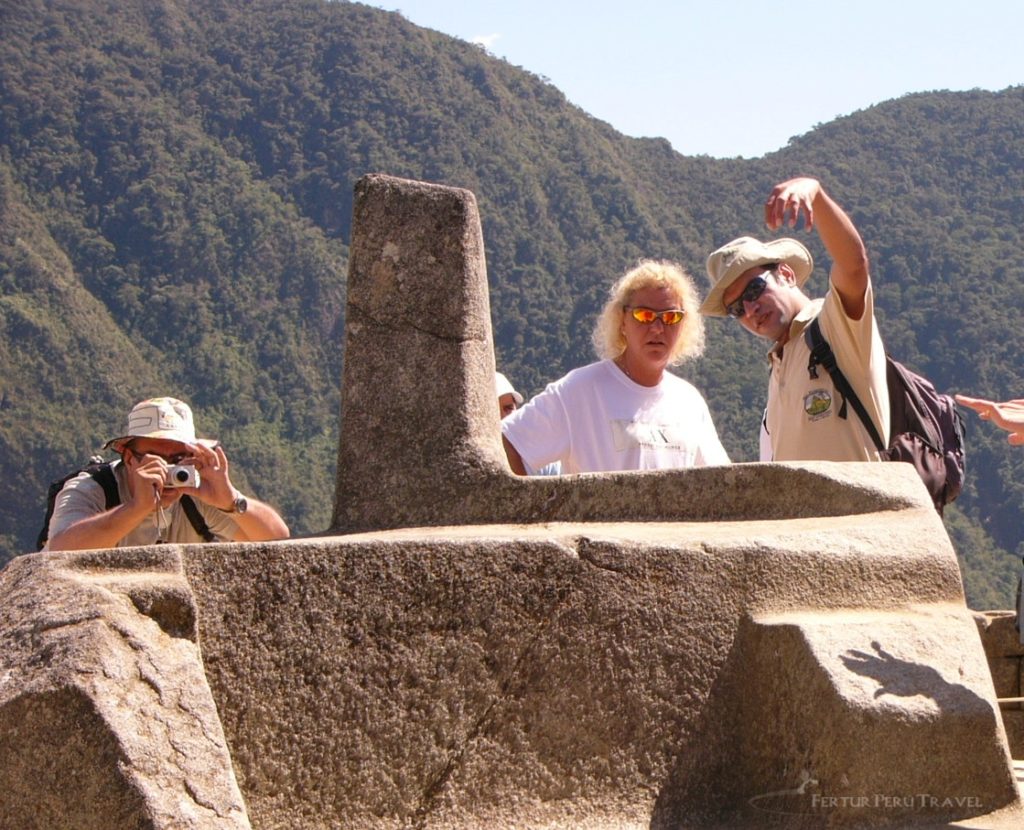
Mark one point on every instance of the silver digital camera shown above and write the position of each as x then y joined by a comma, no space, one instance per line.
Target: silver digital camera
182,475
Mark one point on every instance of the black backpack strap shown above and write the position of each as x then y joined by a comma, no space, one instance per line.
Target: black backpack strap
103,474
821,353
196,519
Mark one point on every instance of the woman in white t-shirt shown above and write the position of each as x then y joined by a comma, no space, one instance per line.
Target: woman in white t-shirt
626,412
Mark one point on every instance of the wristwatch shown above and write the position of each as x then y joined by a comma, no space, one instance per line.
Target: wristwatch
240,504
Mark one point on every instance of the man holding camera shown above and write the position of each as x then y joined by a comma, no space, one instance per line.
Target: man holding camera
171,487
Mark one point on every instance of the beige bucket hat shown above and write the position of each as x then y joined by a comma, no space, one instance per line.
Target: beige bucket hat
166,418
737,257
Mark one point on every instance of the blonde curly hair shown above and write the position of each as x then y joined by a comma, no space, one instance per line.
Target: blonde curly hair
607,337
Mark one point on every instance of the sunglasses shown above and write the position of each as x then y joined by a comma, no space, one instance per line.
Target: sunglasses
755,288
175,458
669,317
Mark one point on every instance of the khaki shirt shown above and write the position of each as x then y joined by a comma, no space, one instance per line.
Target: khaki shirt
803,419
83,497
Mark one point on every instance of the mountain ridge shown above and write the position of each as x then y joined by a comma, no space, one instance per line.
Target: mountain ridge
175,206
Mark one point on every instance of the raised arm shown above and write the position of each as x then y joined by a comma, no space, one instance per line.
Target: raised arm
806,196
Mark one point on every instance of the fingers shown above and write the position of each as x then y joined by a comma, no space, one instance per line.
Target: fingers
203,456
215,486
1008,415
788,201
213,457
151,468
977,404
149,478
984,408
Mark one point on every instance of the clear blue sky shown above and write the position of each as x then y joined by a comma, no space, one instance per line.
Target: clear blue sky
737,77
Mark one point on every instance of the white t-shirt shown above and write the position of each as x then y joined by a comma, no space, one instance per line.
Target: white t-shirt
595,419
82,497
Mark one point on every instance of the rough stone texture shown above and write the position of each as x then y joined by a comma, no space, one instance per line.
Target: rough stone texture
674,649
1013,723
999,635
505,676
1003,648
106,719
818,689
559,676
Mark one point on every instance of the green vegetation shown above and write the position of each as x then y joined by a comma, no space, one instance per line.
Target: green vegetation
175,204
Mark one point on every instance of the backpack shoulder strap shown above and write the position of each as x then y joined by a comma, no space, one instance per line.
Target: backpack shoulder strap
104,477
101,472
821,353
196,519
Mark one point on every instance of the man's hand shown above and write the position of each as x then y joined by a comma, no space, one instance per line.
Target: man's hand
803,196
215,486
104,530
147,479
789,200
1009,415
260,522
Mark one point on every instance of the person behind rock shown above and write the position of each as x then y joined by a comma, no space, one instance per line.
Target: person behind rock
625,412
1008,415
160,435
761,285
509,400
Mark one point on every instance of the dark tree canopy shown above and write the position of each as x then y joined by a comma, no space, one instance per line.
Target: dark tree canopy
175,204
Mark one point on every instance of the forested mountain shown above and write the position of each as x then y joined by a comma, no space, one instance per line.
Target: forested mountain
175,204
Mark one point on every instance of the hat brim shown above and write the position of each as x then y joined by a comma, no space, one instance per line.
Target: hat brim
118,444
786,251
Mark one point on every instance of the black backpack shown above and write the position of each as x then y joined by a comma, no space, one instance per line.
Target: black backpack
103,474
926,429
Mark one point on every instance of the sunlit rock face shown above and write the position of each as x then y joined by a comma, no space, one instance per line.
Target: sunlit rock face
747,646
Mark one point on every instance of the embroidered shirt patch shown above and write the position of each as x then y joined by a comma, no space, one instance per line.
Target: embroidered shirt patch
818,404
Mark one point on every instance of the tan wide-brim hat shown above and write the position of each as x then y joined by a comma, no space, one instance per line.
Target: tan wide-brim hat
166,418
735,258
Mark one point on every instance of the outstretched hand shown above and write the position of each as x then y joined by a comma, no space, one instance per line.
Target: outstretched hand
1009,414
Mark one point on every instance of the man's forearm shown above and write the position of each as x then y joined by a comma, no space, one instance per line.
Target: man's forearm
104,530
838,233
260,523
850,274
515,460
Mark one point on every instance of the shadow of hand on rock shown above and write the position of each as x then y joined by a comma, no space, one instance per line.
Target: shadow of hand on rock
903,678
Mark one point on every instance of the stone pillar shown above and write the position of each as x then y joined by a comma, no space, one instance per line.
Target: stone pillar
420,437
419,424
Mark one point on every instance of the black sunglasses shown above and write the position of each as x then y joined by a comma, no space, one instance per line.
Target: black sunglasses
171,458
755,288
